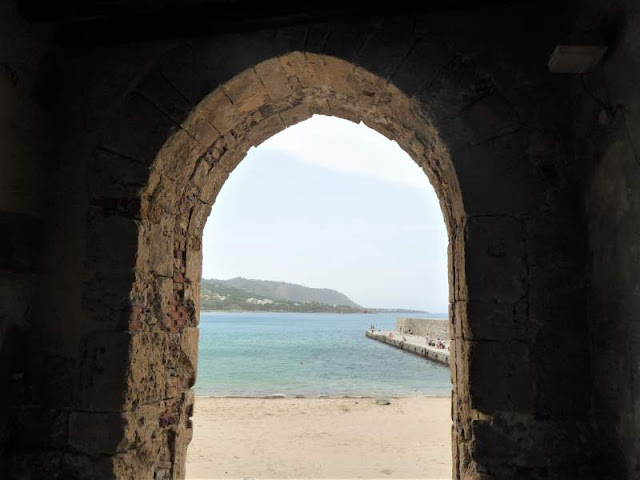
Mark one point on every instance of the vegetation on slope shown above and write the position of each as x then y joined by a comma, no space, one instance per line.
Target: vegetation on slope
243,294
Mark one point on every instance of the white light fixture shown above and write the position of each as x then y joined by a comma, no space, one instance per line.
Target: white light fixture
576,58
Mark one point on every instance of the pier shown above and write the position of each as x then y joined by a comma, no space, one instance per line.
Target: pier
411,343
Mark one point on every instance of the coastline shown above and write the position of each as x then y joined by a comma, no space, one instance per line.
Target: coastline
281,396
358,312
320,438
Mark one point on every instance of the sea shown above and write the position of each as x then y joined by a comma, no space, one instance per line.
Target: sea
260,354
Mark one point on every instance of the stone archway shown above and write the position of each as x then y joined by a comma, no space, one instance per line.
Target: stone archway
185,179
178,133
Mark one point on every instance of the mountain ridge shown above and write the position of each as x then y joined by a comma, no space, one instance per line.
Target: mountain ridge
292,291
245,294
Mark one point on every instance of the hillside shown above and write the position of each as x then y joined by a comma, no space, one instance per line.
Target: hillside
292,292
262,295
244,294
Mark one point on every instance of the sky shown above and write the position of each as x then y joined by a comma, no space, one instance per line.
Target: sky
328,203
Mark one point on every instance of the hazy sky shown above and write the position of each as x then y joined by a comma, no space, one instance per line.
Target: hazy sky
328,203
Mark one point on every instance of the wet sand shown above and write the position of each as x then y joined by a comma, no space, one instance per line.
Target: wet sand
320,438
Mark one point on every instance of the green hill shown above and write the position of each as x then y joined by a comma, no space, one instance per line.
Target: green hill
292,292
244,294
262,295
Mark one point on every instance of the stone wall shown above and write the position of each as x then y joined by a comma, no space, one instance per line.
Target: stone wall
486,130
117,152
24,160
607,116
434,327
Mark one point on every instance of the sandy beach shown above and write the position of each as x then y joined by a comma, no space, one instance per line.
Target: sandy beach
320,438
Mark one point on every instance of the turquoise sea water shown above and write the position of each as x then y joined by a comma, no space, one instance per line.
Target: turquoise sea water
308,354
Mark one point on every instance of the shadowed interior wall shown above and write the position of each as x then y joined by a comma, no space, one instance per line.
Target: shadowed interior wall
461,113
114,156
23,164
609,154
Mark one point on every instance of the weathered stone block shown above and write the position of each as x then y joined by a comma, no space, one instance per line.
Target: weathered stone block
237,145
151,128
38,428
215,180
193,267
476,320
296,114
274,79
489,117
520,189
454,88
561,354
155,362
157,300
342,110
156,242
329,73
422,65
292,63
20,242
200,128
60,376
524,441
116,176
456,259
199,214
178,156
266,129
105,300
501,377
201,171
383,127
220,110
158,90
303,111
35,465
459,366
390,41
495,259
16,292
106,232
96,433
105,357
246,91
102,467
189,347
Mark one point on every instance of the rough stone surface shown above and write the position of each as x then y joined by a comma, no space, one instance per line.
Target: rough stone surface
609,160
114,155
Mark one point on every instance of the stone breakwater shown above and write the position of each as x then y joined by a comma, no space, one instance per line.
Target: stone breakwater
413,344
434,327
